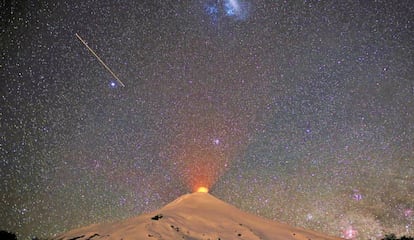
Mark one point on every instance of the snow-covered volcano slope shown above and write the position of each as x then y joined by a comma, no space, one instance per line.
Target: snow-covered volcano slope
194,216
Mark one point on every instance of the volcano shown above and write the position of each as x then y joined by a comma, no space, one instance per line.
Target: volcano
194,216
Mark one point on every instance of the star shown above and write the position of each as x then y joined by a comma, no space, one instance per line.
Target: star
113,84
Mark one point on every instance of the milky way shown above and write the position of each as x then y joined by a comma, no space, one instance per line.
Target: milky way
302,112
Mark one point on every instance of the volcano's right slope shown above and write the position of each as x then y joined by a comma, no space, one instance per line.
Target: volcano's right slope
195,216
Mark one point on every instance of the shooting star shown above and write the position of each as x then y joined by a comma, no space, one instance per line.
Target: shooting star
100,60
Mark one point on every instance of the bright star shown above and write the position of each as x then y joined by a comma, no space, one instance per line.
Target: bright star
112,84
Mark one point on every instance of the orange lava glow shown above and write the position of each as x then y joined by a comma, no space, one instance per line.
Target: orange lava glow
202,190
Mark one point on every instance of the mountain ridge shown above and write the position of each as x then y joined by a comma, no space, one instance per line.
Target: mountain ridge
194,216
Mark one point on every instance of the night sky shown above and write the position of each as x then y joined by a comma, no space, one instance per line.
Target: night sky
298,111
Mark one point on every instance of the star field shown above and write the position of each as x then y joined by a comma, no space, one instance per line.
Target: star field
298,111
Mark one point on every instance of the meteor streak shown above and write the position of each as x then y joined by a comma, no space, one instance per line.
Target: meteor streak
100,60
